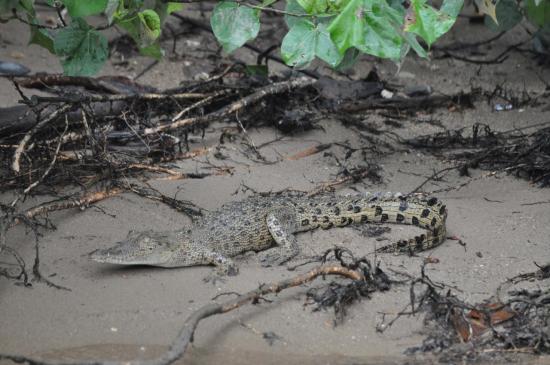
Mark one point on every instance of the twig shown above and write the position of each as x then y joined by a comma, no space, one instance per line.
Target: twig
201,103
434,175
52,163
25,140
64,203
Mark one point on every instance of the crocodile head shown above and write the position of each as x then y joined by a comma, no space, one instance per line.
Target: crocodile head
141,248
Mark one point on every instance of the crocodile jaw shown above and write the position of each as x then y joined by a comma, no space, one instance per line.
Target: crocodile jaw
128,253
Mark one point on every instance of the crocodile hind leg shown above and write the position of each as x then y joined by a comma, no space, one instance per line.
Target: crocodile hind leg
282,225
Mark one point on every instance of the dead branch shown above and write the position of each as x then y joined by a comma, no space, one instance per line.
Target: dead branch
104,84
276,88
52,163
309,151
64,203
118,97
186,334
23,143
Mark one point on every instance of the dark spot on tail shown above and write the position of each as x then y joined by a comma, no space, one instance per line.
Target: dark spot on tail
402,243
305,222
403,205
378,210
425,213
418,240
326,219
318,211
432,201
336,211
350,207
384,217
356,209
415,221
433,222
364,218
314,218
442,210
328,226
400,217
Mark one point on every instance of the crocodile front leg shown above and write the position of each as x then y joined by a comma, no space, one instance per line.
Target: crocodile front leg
282,225
224,265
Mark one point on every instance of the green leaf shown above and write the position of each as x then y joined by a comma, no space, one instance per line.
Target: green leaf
41,37
150,29
82,49
304,41
452,7
371,26
266,3
234,25
539,13
508,15
154,51
350,58
293,7
298,46
144,28
314,6
325,48
413,43
111,9
28,6
79,8
427,22
172,7
163,9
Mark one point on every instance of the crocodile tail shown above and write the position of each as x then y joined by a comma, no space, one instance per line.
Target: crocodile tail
428,213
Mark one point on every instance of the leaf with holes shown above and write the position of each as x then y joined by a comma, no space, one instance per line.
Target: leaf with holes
234,25
428,22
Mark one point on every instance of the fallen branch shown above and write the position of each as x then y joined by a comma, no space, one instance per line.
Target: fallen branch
276,88
65,203
25,140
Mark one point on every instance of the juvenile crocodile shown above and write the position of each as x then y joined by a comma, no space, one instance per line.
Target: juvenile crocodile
259,222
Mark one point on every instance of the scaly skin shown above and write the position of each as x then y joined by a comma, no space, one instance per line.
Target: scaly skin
261,222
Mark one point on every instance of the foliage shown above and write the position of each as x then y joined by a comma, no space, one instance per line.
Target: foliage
83,49
335,31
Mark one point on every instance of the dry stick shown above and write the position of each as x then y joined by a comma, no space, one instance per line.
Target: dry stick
276,88
185,336
82,201
199,104
16,167
117,97
52,163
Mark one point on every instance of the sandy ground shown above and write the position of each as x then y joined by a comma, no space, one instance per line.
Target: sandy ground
124,313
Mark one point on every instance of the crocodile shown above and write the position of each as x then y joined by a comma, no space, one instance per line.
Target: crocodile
268,223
